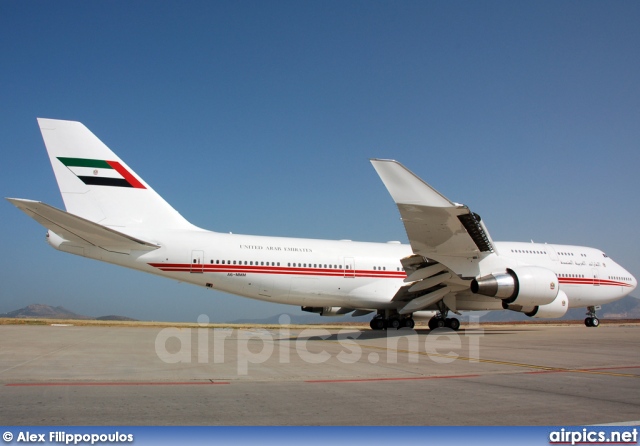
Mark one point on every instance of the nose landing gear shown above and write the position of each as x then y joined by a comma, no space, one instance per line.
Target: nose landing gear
592,320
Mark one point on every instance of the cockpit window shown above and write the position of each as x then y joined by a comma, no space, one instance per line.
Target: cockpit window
605,256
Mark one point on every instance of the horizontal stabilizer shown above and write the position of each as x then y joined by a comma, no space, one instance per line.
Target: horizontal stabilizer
79,230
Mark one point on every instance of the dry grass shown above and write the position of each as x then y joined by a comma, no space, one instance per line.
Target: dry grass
97,323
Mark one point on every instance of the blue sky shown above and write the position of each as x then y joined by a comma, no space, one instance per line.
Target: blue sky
260,117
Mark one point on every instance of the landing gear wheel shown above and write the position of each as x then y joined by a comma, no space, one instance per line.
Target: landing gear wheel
453,324
592,320
377,323
408,322
436,322
395,323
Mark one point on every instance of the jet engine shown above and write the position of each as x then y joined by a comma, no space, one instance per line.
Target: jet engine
555,309
527,286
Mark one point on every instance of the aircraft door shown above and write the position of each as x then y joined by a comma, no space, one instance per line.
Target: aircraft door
551,252
197,262
349,267
596,277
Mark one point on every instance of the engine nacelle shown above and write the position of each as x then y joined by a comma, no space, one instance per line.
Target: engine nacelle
555,309
328,311
55,240
62,244
527,286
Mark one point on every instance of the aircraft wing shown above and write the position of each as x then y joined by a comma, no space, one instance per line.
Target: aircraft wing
79,230
439,232
434,224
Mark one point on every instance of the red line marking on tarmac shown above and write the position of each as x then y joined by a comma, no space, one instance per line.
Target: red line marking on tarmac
413,378
115,384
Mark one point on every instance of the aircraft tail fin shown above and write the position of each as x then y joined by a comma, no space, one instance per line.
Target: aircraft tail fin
97,185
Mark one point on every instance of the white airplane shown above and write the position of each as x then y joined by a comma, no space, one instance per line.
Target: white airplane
451,264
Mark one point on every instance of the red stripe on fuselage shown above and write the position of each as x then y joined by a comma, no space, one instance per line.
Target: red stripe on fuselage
260,269
327,272
589,281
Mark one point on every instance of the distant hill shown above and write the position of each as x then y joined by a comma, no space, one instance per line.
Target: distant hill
44,311
627,308
49,312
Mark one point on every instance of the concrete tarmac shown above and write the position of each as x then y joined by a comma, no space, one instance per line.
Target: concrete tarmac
489,375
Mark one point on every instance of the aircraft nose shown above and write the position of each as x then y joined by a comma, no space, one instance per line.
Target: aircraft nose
633,282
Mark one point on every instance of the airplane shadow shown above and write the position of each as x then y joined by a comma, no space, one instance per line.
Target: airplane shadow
363,335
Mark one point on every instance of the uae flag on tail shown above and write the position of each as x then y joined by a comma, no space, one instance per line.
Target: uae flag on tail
101,172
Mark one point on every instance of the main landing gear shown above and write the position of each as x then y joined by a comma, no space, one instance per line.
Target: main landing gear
387,319
381,323
591,320
440,321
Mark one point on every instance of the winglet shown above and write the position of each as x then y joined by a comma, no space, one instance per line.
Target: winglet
406,187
